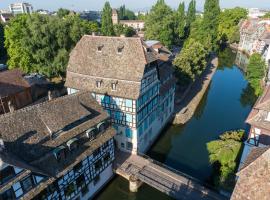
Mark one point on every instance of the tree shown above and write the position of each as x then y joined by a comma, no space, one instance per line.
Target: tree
2,47
224,155
228,29
120,29
106,21
180,20
192,60
42,43
63,12
159,24
126,14
210,21
191,13
256,71
267,15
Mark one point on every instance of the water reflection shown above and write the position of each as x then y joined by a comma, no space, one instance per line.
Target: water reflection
241,60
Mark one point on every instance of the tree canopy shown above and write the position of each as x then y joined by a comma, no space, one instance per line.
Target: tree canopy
180,20
267,15
62,12
210,21
2,47
256,71
191,13
126,14
120,29
106,20
228,29
224,154
41,43
160,24
192,59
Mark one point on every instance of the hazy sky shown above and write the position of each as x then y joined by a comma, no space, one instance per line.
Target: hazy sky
132,4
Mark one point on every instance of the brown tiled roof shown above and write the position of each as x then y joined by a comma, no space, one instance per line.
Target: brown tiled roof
87,65
254,179
253,155
128,65
12,82
260,111
27,132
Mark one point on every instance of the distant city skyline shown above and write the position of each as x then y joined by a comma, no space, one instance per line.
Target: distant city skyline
78,5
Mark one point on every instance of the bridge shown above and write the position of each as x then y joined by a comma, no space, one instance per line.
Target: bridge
138,169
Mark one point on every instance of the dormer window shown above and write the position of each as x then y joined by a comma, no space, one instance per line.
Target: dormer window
98,83
60,153
91,133
101,127
113,86
120,49
100,48
73,144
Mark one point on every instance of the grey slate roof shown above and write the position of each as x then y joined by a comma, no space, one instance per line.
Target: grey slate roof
27,133
87,65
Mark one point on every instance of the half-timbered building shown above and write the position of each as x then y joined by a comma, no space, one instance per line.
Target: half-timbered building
129,80
61,149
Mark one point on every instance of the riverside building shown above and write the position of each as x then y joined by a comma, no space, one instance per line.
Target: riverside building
131,83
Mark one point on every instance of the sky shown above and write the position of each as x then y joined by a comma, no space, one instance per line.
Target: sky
136,5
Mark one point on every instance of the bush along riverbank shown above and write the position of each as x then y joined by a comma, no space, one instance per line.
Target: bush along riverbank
224,155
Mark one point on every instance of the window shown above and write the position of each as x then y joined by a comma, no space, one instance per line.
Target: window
80,181
128,133
120,49
122,145
98,165
100,48
107,157
69,190
91,133
96,152
129,118
140,130
145,124
96,179
7,195
129,103
77,167
27,184
6,174
113,86
129,146
98,83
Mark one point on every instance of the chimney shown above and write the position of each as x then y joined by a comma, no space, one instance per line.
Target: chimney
11,106
50,97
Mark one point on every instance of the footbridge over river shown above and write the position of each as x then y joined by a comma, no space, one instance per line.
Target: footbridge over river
138,169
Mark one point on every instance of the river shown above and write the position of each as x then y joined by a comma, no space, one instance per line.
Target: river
225,106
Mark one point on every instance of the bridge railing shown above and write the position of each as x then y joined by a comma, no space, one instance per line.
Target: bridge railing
177,172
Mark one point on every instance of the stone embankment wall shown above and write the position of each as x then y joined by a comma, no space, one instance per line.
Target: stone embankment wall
186,107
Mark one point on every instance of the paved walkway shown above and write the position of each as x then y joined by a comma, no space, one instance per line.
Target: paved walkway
187,106
167,180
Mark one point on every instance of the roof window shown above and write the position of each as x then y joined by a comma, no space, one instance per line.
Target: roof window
100,47
113,86
120,49
98,83
91,133
60,153
73,144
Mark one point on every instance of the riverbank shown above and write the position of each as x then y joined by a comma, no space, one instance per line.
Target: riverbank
186,107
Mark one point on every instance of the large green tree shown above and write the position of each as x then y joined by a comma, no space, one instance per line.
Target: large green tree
160,24
191,13
224,155
180,20
267,15
62,12
192,60
41,43
106,20
256,71
228,28
211,21
126,14
2,39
